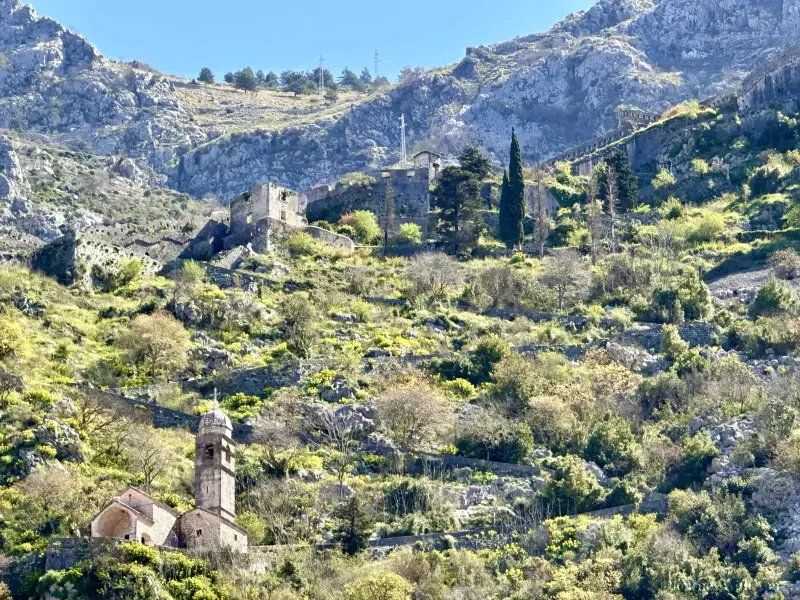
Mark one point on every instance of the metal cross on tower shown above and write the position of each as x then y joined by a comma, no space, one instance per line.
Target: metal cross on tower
377,62
403,150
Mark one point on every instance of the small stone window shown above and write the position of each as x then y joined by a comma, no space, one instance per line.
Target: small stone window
235,537
249,219
283,215
209,453
199,533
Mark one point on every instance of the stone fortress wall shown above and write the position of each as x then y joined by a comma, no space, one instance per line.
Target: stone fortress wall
255,218
410,186
71,257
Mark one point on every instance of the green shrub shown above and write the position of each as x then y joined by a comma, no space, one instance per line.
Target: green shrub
12,339
240,406
515,383
663,179
681,297
764,181
562,542
613,447
671,209
407,496
507,443
459,388
665,391
699,167
301,243
572,488
780,334
793,568
140,554
409,234
366,227
380,585
622,494
696,456
489,352
775,297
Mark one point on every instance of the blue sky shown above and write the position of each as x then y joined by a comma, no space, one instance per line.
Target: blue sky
181,36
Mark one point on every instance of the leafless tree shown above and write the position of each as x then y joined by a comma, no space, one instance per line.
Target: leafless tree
541,227
524,515
148,455
612,203
158,341
434,275
486,430
411,413
388,215
501,284
785,264
662,243
565,273
106,429
594,217
286,510
279,442
333,428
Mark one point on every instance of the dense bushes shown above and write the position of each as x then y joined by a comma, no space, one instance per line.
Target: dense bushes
496,440
612,446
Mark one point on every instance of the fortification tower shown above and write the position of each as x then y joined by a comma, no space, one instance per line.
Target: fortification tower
215,464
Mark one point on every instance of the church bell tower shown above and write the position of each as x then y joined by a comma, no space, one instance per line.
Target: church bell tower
215,464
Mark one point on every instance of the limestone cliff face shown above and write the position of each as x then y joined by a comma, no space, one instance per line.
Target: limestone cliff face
557,88
54,82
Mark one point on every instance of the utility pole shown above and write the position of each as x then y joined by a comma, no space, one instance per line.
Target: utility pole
321,78
377,62
403,151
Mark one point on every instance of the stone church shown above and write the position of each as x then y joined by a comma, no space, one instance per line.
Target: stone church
135,515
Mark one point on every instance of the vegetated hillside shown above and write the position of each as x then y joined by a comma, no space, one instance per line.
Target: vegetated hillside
649,352
558,88
597,385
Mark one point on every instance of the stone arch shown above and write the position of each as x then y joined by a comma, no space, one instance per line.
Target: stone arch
115,522
146,540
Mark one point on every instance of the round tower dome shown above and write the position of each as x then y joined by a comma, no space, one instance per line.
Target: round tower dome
215,421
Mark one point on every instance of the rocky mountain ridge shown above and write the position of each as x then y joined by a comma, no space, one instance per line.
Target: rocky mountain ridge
557,88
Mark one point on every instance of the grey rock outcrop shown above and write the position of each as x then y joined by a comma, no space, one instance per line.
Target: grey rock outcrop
61,436
13,187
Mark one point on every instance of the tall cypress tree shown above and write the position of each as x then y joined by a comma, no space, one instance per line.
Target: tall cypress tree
512,203
627,184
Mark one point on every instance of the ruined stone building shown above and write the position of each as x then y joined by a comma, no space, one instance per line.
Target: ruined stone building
410,192
135,515
255,214
256,218
269,212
